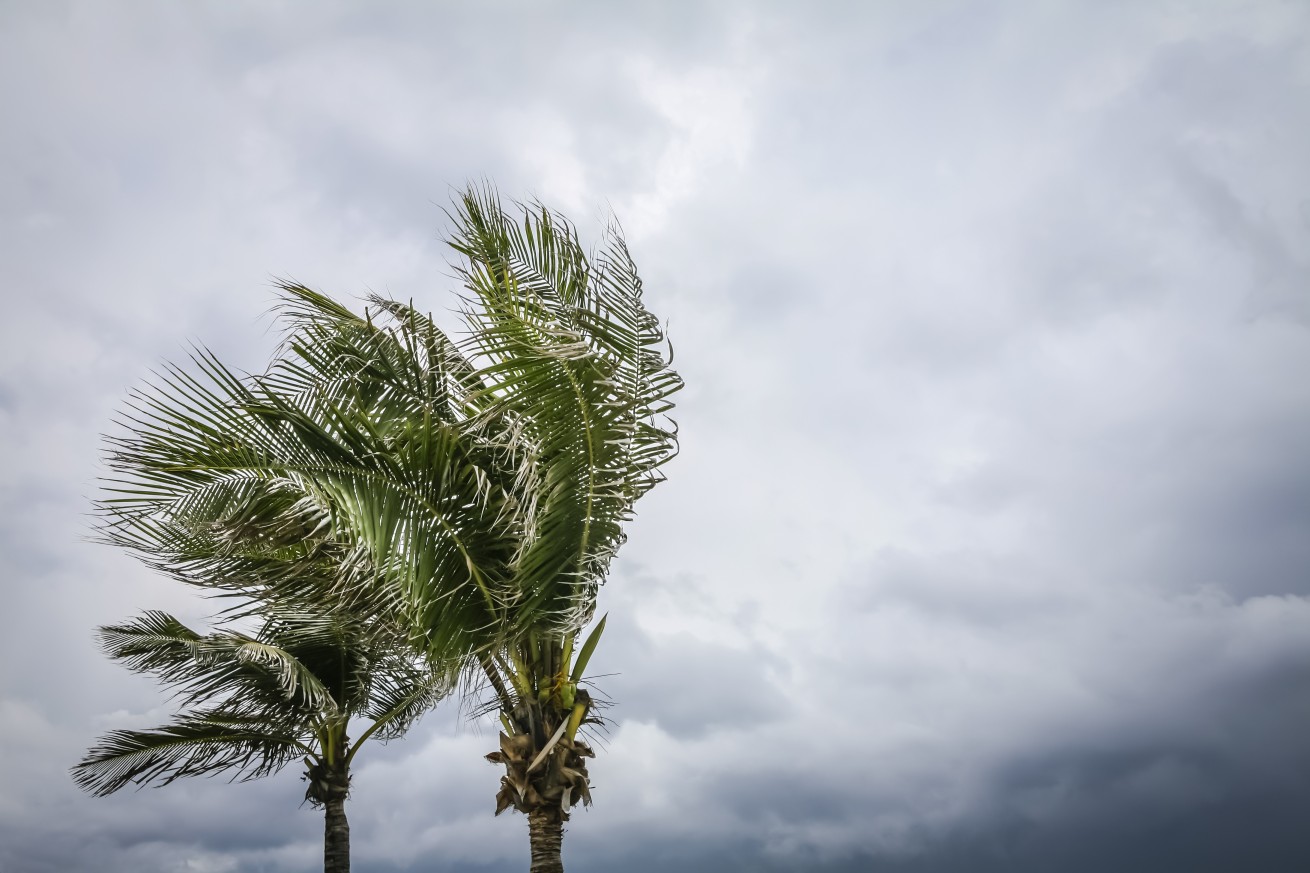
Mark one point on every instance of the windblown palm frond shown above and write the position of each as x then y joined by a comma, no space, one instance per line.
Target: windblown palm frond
199,744
466,490
400,695
223,665
256,703
573,361
345,472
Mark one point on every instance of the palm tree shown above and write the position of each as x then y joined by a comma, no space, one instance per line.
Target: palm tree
470,491
578,361
253,704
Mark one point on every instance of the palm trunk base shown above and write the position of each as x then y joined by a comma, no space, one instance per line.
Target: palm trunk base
336,837
546,833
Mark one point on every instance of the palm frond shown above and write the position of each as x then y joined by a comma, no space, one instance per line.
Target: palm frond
200,744
401,694
220,666
233,485
155,642
567,349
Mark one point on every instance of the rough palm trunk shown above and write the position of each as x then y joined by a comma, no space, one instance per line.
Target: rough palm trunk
545,833
545,762
329,785
336,836
544,794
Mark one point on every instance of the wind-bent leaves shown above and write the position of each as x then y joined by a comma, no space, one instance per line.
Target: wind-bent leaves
466,490
568,350
254,704
200,744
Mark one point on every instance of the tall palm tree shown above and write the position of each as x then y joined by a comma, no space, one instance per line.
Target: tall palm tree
472,491
253,704
581,366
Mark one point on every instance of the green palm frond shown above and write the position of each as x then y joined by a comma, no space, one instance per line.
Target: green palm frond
205,668
467,489
200,744
258,702
376,482
401,695
567,349
155,642
297,682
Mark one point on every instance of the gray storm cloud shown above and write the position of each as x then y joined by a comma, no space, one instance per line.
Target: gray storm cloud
989,545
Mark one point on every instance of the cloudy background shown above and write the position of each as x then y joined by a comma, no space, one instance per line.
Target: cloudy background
989,545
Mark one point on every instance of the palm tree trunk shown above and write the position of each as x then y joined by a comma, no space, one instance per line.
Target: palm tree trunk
545,833
336,837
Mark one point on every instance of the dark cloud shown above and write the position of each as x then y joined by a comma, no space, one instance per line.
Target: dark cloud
687,686
986,550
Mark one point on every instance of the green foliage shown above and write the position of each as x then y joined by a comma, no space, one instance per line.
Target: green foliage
465,490
384,490
252,704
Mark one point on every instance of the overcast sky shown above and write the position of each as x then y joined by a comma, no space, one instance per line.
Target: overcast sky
989,545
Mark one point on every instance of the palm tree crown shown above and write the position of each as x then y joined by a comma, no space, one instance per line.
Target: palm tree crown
253,704
470,489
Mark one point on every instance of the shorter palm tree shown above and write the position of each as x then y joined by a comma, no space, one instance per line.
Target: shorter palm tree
253,704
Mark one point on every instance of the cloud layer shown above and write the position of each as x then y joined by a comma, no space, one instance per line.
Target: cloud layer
989,545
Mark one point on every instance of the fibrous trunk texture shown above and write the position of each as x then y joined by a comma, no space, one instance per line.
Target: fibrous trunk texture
336,837
557,782
545,832
328,788
545,792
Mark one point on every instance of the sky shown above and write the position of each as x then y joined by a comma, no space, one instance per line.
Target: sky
988,548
